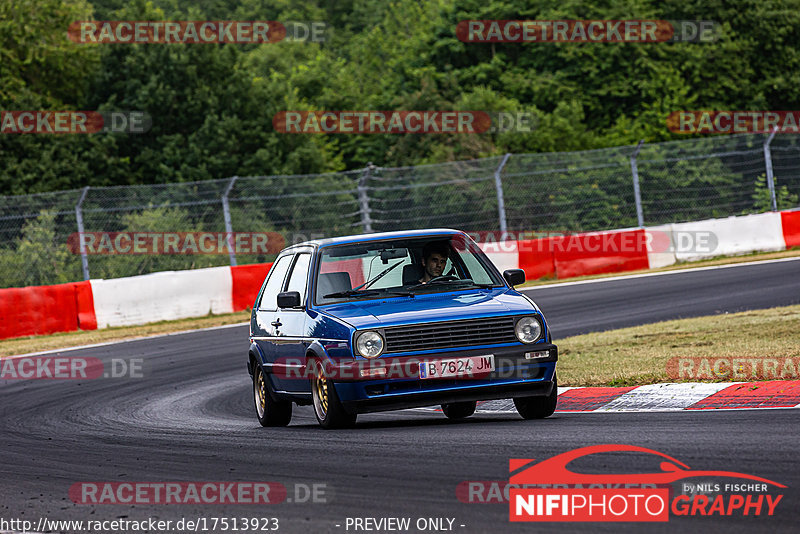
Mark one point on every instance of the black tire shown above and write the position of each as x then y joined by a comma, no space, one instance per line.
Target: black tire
270,412
327,407
459,410
538,407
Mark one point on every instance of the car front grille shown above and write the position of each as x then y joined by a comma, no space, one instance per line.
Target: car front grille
450,334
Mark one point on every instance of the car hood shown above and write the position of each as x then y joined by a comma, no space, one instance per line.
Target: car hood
382,313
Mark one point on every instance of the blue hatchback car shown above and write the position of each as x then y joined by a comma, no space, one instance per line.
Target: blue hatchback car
396,320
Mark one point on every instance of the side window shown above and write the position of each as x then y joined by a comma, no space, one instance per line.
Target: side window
269,299
475,270
299,276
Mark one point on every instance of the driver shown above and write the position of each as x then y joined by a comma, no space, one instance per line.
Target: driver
434,258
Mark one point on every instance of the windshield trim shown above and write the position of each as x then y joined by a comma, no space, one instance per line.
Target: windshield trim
473,248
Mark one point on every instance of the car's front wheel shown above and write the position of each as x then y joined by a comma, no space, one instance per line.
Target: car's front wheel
327,406
459,410
538,407
270,412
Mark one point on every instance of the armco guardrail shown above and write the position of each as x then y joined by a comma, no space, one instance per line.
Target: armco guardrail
180,294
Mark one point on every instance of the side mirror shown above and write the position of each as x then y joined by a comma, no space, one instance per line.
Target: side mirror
289,299
514,277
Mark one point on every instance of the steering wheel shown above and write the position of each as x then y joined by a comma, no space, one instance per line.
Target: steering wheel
443,278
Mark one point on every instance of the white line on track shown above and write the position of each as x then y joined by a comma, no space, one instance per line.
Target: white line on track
116,342
661,273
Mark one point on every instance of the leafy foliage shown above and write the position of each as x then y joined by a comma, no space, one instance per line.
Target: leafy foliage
212,105
38,257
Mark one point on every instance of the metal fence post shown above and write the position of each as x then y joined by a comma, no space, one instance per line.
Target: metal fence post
226,213
501,206
768,161
637,196
363,199
79,217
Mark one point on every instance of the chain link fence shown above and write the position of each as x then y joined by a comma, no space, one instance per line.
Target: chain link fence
602,189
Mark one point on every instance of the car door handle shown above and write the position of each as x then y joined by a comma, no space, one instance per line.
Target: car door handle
276,323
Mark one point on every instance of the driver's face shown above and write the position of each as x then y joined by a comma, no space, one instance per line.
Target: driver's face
434,265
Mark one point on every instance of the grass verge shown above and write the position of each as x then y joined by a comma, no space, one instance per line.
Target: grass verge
639,355
24,345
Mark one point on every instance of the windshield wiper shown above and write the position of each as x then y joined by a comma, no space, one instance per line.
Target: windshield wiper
465,281
352,293
367,293
368,283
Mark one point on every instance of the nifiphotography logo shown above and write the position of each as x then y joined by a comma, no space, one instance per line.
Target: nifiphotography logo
549,491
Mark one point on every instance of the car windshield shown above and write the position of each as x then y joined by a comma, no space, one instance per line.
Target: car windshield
402,268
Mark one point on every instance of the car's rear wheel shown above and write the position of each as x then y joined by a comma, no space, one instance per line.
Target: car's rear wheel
270,412
459,410
327,406
538,407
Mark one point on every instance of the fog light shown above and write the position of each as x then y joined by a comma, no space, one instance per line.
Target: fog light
538,354
378,371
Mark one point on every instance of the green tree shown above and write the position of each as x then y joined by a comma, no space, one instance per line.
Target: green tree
38,258
41,69
762,199
154,219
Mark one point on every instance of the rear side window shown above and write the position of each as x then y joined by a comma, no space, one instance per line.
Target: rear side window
299,276
269,299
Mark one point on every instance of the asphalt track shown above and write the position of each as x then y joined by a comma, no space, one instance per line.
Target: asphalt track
189,418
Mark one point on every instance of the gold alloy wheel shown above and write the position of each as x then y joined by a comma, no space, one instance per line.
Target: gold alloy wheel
260,393
321,388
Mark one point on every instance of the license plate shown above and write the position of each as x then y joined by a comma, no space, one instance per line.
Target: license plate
467,366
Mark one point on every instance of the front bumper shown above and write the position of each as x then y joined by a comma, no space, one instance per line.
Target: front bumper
514,376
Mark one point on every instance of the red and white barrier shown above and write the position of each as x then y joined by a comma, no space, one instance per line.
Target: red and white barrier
194,293
246,280
36,310
572,255
162,296
790,224
661,246
734,235
504,255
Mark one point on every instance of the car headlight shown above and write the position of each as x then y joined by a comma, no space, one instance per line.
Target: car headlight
528,329
369,344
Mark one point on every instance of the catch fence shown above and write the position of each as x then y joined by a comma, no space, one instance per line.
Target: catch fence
619,187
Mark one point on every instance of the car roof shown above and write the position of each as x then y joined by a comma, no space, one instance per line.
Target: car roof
375,237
